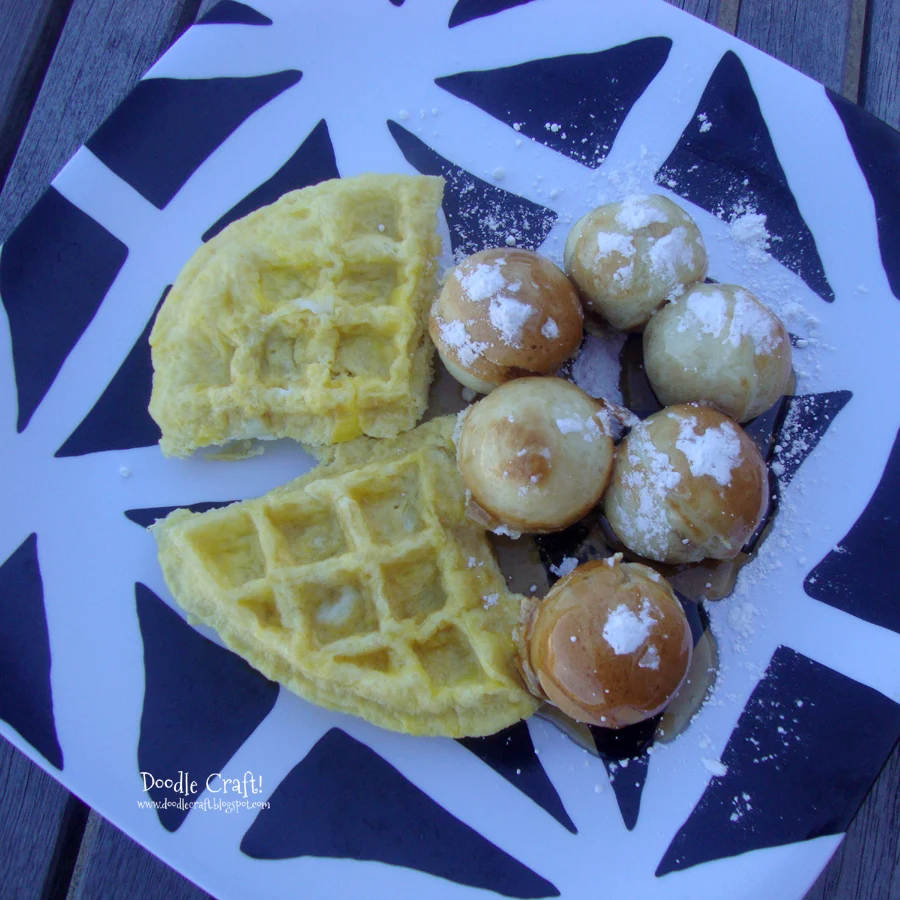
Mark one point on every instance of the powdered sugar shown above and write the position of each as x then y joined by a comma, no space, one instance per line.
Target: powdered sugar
613,242
454,335
483,281
751,320
705,313
550,329
566,567
625,631
671,252
509,316
589,427
638,212
716,452
650,659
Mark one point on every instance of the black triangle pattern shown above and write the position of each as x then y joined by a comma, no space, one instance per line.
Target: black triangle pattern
725,161
166,127
778,787
312,162
573,104
467,10
805,419
119,420
26,700
201,703
877,149
511,753
857,576
55,270
230,12
343,801
479,214
147,516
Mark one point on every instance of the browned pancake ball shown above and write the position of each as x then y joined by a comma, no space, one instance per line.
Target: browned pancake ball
535,455
609,645
503,314
688,483
626,258
717,343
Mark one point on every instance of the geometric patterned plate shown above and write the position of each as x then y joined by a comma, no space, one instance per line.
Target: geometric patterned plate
534,113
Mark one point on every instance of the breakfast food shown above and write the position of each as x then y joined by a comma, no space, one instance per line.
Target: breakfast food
502,314
535,455
609,645
363,587
626,258
718,343
305,319
688,483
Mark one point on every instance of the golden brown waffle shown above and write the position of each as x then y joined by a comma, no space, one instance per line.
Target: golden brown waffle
363,587
306,319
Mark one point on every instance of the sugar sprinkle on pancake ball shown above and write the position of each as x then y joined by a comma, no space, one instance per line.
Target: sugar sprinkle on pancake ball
535,454
609,645
626,258
688,483
719,344
503,314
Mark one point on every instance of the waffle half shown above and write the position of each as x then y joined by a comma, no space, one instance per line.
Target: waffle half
305,319
363,587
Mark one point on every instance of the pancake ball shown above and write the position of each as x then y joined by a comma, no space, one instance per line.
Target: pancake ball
717,343
609,645
535,455
626,258
503,314
688,484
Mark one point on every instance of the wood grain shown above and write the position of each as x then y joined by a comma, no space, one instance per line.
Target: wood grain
881,86
867,865
856,36
41,825
29,33
702,9
105,47
112,866
810,35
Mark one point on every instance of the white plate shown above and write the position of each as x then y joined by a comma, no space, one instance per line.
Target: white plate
100,680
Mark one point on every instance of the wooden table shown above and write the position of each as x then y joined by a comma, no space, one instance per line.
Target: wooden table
64,65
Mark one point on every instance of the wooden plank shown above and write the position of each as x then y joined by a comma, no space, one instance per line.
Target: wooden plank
41,825
728,15
114,867
105,47
30,31
702,9
867,865
810,36
855,42
881,86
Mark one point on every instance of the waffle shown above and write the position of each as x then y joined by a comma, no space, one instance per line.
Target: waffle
363,587
306,319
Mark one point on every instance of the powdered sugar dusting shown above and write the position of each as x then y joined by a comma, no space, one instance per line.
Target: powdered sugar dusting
670,252
706,313
751,320
716,452
625,631
454,335
638,212
566,567
550,329
483,281
651,478
509,316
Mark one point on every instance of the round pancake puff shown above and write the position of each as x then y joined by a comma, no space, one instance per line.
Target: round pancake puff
626,258
719,344
609,645
504,314
535,455
688,484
